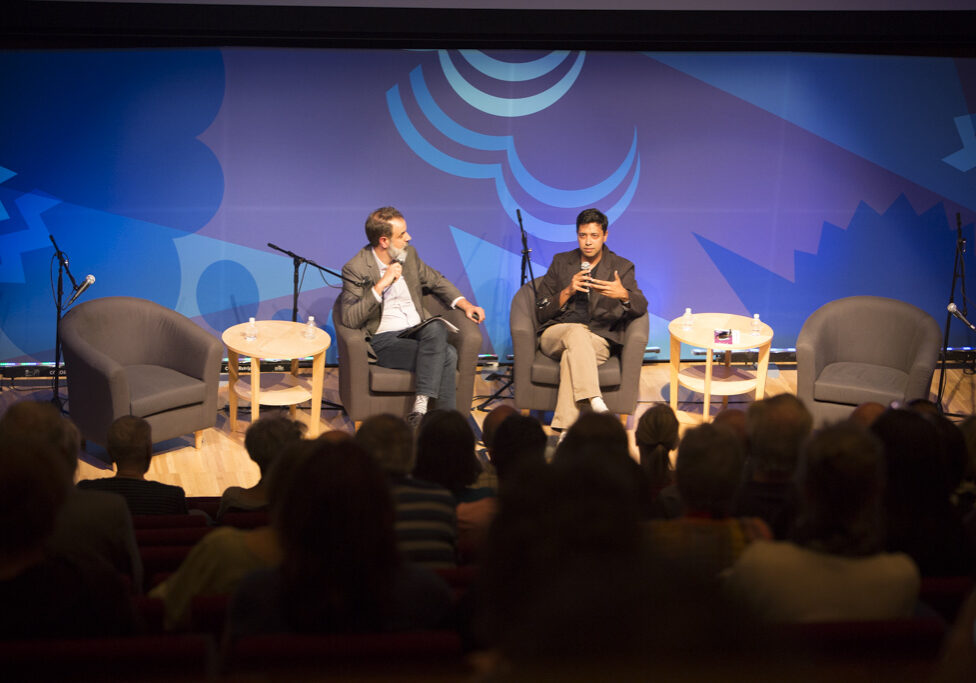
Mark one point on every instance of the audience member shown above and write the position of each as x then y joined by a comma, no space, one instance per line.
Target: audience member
568,589
491,423
340,570
130,448
776,428
445,456
964,497
656,436
835,569
43,593
426,518
264,441
222,558
519,442
866,413
599,438
705,540
920,518
91,525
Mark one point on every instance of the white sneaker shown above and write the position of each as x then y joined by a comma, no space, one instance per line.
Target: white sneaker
598,406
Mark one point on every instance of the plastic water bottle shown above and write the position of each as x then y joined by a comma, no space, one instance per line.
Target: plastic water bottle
756,325
251,331
310,328
686,320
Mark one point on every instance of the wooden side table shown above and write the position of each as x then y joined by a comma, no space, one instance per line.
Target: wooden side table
722,380
279,340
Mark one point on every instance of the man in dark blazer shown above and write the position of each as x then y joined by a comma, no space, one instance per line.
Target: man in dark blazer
382,294
585,301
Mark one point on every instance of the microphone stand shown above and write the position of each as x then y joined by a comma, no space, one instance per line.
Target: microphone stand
958,273
59,309
526,275
298,261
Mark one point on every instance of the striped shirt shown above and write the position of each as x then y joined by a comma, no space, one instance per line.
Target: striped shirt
426,522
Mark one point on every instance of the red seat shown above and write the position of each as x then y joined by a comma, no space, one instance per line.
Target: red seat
945,594
188,536
416,653
158,657
208,504
167,521
161,559
249,519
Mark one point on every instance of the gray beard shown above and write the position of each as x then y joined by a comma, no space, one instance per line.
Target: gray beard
399,255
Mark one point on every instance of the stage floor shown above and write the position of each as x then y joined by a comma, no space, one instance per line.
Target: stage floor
222,461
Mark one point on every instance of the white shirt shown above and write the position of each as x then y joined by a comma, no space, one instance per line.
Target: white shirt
399,313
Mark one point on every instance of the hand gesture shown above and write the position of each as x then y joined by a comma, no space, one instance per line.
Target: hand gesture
475,313
581,282
612,288
393,271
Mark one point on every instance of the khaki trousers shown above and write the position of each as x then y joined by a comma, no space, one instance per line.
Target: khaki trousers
579,352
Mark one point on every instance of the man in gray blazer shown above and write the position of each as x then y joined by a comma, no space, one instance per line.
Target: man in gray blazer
382,294
585,301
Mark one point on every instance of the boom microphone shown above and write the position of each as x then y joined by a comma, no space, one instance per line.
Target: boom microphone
952,308
89,281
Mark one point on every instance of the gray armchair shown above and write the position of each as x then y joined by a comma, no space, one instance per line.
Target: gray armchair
864,348
127,356
367,389
536,376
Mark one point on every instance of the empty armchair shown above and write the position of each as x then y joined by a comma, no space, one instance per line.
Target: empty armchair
864,348
367,389
536,376
128,356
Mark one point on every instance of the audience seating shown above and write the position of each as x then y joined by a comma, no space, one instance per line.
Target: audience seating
168,521
152,657
946,594
250,519
187,536
415,653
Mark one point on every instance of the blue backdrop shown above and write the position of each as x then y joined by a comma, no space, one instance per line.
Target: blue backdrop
745,183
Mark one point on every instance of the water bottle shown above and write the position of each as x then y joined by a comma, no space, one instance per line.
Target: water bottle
756,325
251,331
310,328
686,320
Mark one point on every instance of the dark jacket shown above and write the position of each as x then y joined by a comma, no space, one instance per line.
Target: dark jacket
608,317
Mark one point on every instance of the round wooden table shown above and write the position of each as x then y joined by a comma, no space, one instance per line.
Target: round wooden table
719,380
276,340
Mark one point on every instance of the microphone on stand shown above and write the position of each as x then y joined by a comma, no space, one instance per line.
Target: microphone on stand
80,289
952,308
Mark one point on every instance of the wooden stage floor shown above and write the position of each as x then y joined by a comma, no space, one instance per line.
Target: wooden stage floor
222,461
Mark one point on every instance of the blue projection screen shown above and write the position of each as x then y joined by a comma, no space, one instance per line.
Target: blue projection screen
746,183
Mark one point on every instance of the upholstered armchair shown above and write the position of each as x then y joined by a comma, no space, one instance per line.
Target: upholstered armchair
128,356
367,389
536,376
864,348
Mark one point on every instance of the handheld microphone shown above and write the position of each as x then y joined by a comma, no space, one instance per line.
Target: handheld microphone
585,267
89,281
952,308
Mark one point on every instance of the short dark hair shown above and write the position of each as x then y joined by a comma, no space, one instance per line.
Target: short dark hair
519,442
709,469
776,428
445,451
842,479
130,441
40,422
388,439
378,224
592,216
267,437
